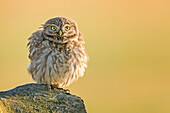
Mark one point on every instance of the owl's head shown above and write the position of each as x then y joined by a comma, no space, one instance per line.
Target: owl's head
60,30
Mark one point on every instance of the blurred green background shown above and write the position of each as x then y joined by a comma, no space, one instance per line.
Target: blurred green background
128,42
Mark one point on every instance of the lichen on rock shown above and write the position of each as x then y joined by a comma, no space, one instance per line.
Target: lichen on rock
38,98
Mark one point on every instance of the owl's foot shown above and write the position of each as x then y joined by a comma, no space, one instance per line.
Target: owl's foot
65,90
55,87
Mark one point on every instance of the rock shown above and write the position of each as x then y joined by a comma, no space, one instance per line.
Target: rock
38,98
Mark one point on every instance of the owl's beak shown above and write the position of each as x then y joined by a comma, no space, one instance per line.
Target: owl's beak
60,32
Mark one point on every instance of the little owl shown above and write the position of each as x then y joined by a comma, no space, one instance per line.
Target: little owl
57,53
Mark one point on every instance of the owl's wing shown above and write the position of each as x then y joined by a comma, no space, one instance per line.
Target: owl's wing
34,43
80,38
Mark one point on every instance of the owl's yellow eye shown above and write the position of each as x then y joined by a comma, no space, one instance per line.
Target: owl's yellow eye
67,28
53,28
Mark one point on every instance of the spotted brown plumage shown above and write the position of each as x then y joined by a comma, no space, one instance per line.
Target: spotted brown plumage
57,53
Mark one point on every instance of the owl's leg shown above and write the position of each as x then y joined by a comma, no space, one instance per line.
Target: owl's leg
56,86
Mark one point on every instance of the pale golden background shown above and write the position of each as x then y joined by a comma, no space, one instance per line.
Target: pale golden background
128,42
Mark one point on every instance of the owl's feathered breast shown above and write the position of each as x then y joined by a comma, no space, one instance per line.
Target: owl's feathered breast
55,63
